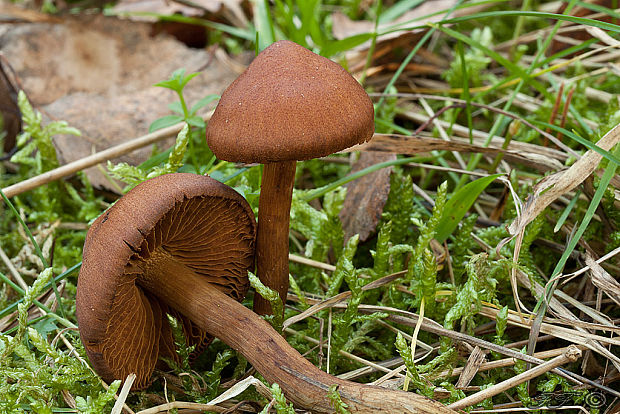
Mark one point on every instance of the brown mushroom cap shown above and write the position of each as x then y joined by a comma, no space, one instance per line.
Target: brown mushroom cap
290,104
195,221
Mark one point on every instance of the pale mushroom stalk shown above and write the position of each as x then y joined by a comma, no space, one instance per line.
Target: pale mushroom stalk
273,227
267,351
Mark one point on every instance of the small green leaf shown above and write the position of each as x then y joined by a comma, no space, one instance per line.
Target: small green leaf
459,204
165,121
177,80
196,121
172,84
203,102
155,160
336,401
187,79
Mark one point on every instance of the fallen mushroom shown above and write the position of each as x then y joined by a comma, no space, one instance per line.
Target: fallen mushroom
289,105
184,242
165,228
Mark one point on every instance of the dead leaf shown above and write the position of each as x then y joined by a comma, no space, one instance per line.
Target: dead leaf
366,196
97,73
93,54
231,10
344,27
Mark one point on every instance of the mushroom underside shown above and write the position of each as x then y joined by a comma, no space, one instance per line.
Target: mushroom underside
198,235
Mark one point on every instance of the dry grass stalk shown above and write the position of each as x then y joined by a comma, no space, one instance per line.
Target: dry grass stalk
599,261
330,302
12,270
309,262
571,354
571,335
604,324
500,363
558,308
581,337
540,158
183,405
410,319
122,396
343,353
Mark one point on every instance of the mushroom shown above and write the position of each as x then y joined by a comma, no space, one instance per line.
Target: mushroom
165,228
184,243
288,105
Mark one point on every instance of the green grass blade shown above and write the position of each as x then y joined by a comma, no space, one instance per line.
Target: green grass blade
466,96
458,205
404,64
566,212
596,199
541,306
512,67
37,249
598,8
264,24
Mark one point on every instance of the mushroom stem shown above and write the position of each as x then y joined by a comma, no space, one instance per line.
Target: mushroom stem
274,210
302,382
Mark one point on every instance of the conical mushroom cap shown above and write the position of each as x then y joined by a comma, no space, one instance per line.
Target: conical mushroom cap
201,223
289,104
